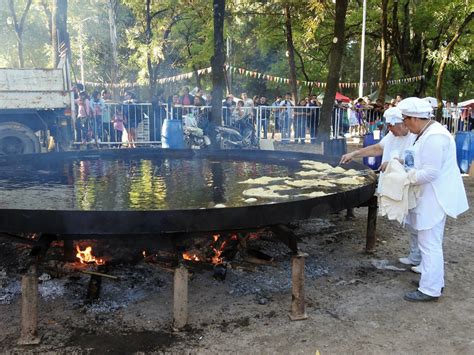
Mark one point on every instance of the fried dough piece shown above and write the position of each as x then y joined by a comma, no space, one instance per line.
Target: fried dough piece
264,193
316,165
354,180
310,173
262,180
309,183
314,194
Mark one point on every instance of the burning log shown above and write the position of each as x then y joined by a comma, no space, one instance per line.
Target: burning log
259,254
162,258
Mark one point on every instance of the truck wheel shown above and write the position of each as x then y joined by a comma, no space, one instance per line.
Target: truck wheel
16,138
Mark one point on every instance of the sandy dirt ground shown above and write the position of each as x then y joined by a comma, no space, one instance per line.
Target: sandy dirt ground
354,304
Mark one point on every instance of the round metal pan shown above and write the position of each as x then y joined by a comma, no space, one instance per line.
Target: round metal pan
116,223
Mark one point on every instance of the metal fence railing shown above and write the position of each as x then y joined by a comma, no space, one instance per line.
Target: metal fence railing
140,123
457,119
134,124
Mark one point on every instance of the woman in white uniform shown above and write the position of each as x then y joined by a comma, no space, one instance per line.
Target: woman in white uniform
441,193
393,145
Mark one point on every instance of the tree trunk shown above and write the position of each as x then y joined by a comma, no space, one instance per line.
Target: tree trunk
19,26
217,65
195,67
148,39
383,52
291,54
61,35
444,62
112,7
335,60
303,70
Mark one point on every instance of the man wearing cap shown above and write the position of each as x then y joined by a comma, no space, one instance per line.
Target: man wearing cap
442,193
393,145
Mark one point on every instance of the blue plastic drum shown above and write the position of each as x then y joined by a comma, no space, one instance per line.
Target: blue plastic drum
172,134
371,162
464,150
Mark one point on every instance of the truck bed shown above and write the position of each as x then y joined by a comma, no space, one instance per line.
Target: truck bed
33,88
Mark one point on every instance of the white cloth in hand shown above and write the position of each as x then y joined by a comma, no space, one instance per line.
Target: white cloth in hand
396,196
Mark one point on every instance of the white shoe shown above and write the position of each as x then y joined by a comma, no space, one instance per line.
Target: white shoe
416,269
407,261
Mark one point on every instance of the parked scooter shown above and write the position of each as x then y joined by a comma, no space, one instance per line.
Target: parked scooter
240,135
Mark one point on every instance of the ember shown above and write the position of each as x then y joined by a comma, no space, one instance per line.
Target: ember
192,257
85,256
217,252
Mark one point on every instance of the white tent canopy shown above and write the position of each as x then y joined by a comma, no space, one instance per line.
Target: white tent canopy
466,103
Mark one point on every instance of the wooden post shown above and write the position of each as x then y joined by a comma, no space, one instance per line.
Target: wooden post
180,298
371,237
69,251
29,309
297,278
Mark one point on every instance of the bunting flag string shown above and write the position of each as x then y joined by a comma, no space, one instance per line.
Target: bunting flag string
267,77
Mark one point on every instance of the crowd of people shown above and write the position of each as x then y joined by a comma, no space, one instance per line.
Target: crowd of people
101,119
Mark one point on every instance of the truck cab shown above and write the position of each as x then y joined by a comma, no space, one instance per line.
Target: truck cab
36,108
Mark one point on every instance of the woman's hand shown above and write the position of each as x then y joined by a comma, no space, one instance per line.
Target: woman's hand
346,158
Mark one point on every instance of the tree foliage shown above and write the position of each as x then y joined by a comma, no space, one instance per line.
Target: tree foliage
157,39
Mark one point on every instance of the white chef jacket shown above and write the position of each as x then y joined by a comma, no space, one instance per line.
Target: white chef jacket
394,147
436,172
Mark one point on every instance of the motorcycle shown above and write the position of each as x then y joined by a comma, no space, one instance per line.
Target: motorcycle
240,135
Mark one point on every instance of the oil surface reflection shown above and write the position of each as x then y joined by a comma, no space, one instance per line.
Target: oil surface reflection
135,184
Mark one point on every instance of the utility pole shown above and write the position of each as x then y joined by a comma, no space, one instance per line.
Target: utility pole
362,50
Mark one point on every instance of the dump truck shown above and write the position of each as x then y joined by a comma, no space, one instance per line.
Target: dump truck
36,110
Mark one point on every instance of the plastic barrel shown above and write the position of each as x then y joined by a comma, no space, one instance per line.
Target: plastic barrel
371,162
172,134
464,150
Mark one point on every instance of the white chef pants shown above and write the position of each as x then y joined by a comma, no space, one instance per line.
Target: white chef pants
430,242
415,254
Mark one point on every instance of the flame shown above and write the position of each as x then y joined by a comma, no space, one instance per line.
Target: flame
216,247
192,257
144,253
85,256
216,258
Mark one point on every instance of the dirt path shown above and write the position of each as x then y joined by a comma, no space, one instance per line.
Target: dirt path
352,306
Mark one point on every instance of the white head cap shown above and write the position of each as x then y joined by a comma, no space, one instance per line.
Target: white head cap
415,107
393,115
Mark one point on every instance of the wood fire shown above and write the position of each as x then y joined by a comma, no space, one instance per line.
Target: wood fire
85,256
192,257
